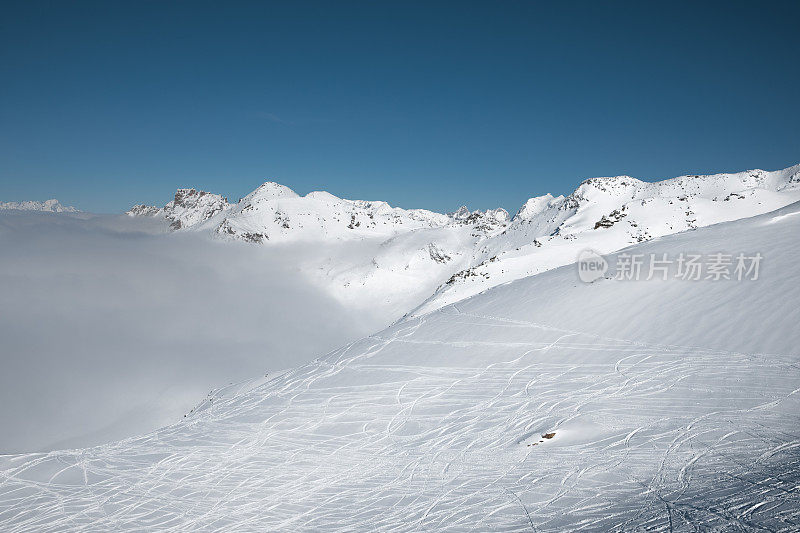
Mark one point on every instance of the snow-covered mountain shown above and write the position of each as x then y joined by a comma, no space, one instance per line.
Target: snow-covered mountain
275,213
52,206
189,208
368,250
546,404
608,214
421,260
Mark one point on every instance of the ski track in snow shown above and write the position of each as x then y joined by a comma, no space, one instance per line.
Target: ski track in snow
650,437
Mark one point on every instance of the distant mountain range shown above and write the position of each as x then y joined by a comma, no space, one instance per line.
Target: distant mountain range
51,206
415,261
424,260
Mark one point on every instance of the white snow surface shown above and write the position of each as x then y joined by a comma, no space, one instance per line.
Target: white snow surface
51,206
672,406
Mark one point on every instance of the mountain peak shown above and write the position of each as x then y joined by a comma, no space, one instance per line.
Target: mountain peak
534,206
270,190
608,186
462,213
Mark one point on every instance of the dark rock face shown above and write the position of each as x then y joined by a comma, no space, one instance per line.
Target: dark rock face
608,221
437,254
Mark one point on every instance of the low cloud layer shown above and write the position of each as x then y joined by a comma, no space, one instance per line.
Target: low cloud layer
110,327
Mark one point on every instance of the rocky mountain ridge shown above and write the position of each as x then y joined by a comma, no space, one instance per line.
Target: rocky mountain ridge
50,206
409,255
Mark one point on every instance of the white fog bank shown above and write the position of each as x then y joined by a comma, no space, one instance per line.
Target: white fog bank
110,327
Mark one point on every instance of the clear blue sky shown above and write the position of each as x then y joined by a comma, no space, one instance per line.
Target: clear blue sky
426,104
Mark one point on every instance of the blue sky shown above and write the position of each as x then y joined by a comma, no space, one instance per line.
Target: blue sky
425,104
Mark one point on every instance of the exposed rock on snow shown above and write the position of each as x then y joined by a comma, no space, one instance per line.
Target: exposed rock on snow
438,254
189,208
490,217
141,210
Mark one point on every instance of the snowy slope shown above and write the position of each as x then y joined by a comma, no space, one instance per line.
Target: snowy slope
546,404
607,214
52,206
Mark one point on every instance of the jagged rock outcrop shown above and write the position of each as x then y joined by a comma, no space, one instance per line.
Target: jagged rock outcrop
142,210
